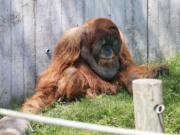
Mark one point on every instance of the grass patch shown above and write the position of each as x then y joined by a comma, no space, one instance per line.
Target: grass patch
116,110
106,110
171,96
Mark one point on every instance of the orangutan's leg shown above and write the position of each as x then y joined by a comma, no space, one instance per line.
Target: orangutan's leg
70,85
41,99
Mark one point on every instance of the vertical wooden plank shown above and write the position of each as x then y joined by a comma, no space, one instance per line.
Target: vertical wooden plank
5,53
48,26
155,48
29,47
55,21
95,8
135,28
102,8
17,51
89,9
163,18
80,11
42,36
69,18
163,28
174,27
74,16
118,14
140,31
153,41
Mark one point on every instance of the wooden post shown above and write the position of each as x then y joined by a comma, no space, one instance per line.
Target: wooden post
148,105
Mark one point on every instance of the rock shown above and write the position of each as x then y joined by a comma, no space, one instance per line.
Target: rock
13,126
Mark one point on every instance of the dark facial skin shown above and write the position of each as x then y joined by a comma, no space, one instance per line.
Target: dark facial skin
106,50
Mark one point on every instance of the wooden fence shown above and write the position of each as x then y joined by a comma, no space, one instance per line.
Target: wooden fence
28,28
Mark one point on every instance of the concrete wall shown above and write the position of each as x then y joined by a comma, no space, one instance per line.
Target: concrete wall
29,27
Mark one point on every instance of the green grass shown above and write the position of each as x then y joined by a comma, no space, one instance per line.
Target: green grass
116,110
171,95
106,110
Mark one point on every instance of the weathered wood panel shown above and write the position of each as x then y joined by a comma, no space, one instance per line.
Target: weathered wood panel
138,24
28,28
102,9
80,12
88,13
68,16
163,28
131,18
17,43
44,32
74,16
118,13
5,52
29,47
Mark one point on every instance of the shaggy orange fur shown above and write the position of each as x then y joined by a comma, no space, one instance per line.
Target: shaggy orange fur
69,77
